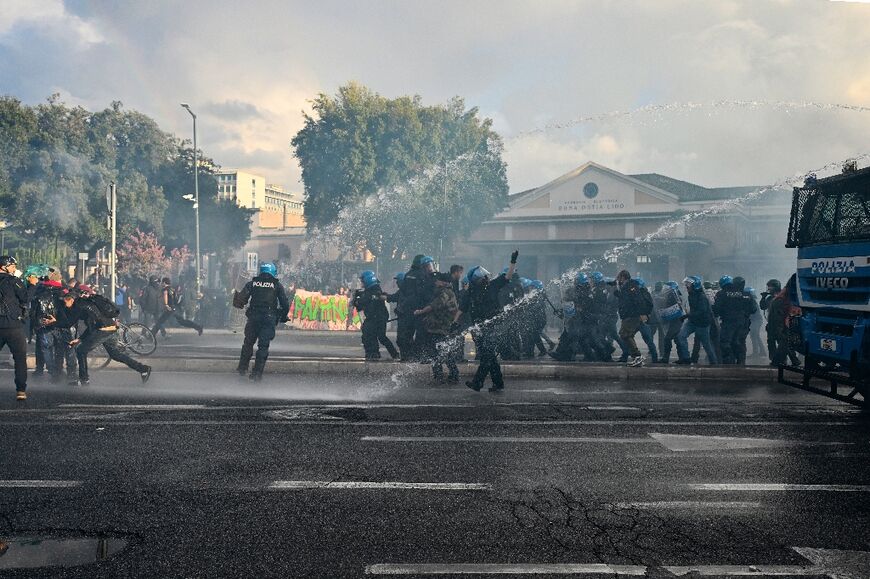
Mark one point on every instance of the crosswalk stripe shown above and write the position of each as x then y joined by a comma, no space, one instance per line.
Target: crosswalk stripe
39,484
398,485
505,569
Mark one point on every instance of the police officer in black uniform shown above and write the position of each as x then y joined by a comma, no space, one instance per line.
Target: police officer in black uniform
14,303
734,306
268,306
481,304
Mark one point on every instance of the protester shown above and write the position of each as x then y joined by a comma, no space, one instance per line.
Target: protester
438,318
635,307
778,325
169,301
99,315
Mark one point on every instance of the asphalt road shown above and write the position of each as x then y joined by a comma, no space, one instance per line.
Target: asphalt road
212,476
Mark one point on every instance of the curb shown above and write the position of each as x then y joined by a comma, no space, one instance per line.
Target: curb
564,371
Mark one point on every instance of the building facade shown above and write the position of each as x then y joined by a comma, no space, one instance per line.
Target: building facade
648,224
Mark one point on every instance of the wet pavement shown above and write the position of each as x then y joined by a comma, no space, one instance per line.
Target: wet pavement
319,476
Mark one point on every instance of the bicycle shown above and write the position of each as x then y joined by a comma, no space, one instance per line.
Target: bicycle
134,336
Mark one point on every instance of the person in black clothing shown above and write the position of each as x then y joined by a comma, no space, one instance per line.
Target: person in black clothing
635,309
481,304
408,301
53,338
457,282
169,303
774,286
14,304
404,320
698,321
150,302
734,306
371,301
268,307
101,329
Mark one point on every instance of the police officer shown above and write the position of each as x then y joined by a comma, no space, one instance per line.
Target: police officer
14,303
733,306
371,300
267,308
481,304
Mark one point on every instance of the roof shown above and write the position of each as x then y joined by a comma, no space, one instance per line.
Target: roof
689,191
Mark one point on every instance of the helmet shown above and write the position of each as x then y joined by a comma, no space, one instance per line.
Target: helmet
725,280
477,273
368,279
569,309
597,276
7,260
694,281
639,281
751,290
537,284
581,279
525,282
418,259
427,259
399,277
269,268
672,284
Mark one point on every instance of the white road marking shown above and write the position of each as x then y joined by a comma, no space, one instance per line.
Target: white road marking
687,442
505,569
134,406
427,486
510,439
39,484
690,505
469,423
751,487
744,571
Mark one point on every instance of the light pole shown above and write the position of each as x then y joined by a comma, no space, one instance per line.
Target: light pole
112,199
195,193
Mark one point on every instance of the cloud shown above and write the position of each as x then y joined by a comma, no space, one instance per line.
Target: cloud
49,17
233,110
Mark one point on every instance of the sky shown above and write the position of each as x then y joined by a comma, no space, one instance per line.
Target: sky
250,69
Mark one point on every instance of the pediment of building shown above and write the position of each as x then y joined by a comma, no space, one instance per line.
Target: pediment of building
592,190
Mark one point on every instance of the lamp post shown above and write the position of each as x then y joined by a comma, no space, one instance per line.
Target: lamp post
195,193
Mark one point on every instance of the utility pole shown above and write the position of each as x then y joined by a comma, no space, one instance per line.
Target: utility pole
113,225
195,196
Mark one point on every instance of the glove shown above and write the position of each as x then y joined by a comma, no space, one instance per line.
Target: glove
514,255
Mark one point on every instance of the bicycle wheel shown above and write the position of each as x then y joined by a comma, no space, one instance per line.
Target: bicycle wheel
139,339
98,358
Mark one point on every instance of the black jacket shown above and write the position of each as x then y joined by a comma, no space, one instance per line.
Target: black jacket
634,301
14,301
700,314
86,312
416,291
267,297
734,304
481,302
370,302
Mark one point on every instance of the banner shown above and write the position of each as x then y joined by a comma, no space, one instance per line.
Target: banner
315,311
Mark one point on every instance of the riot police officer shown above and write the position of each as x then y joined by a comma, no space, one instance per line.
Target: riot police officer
14,303
268,307
734,306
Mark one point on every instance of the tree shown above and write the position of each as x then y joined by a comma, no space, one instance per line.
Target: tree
395,175
359,142
140,255
56,162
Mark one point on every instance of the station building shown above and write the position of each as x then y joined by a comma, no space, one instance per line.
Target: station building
591,210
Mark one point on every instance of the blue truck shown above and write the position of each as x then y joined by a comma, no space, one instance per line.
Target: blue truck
830,227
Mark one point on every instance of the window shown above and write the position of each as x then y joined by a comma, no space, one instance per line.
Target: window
643,259
253,262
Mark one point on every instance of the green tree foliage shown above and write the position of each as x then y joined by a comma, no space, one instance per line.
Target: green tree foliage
56,162
375,169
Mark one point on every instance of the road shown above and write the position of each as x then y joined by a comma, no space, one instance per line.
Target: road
319,476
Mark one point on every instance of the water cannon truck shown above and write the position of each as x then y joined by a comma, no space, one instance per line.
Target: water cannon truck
830,227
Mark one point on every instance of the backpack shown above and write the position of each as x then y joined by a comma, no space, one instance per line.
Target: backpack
171,297
105,306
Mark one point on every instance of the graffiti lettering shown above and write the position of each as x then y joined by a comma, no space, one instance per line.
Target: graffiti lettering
315,311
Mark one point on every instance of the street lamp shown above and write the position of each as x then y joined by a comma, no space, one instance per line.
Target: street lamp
195,193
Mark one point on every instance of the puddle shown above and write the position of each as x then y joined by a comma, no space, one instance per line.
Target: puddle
31,552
